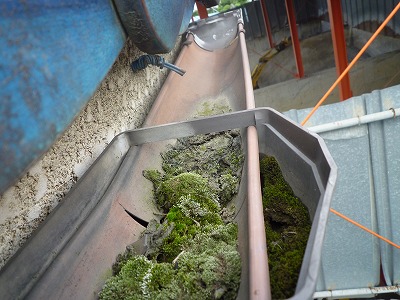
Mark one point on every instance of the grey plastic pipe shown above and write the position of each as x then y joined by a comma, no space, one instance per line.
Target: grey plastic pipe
357,293
392,113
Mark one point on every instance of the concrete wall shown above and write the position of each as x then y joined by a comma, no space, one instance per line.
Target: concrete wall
121,102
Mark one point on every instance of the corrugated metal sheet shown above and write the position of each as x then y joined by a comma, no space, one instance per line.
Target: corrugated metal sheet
363,14
369,14
253,20
386,162
368,191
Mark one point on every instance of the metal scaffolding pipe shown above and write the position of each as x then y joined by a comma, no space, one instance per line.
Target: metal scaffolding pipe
267,23
339,47
295,37
203,13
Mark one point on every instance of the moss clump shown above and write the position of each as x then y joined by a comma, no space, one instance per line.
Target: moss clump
217,157
190,205
169,190
188,219
287,225
208,269
210,109
137,279
193,253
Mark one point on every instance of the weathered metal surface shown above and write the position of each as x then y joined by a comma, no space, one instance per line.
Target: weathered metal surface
50,64
367,191
154,25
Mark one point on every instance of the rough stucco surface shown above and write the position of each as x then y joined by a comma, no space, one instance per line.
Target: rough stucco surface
121,102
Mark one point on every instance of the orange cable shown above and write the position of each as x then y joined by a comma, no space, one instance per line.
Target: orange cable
352,63
364,228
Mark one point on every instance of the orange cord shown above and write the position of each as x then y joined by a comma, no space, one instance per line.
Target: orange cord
352,63
364,228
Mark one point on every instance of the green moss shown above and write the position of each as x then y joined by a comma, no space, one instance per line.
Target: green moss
189,216
217,157
122,286
154,176
209,269
287,225
193,253
170,191
210,109
122,259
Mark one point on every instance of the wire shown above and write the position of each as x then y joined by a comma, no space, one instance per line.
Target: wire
143,61
364,228
352,63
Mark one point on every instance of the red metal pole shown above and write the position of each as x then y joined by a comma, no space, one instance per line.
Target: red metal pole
266,23
203,14
339,47
295,37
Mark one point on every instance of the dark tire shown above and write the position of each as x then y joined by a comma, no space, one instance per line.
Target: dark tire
210,3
